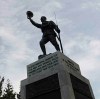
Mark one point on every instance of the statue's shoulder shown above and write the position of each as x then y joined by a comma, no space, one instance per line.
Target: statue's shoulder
51,23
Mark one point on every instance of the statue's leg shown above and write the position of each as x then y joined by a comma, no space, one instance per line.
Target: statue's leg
43,41
53,40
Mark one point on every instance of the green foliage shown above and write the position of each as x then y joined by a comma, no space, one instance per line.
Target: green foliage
18,96
1,84
7,92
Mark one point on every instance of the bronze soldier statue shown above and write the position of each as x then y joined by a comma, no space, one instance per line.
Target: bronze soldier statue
49,29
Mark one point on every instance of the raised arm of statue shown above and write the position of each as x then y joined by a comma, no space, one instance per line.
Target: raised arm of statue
29,16
35,24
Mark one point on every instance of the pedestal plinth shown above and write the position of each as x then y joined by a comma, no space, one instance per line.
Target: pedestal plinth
55,77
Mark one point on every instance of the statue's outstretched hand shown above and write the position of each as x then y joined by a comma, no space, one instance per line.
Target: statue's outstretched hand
28,17
29,14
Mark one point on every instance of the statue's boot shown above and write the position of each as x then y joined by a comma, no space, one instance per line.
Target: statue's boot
41,56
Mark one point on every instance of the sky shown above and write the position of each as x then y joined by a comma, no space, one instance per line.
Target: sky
78,21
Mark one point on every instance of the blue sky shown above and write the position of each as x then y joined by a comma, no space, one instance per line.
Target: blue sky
80,33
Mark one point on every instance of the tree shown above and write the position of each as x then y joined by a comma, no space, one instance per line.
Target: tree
7,92
1,86
18,96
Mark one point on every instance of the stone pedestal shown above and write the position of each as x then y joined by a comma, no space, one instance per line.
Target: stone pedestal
55,77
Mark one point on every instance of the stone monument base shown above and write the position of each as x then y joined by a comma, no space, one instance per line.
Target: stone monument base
55,77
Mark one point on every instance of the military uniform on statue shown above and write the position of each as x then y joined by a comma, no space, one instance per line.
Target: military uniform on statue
48,29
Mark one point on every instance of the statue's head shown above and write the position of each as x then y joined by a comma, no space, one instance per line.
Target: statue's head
43,19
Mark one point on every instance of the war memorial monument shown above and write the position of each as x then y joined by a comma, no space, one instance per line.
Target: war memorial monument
54,76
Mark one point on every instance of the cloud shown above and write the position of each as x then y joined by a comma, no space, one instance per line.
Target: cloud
95,47
85,50
91,5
